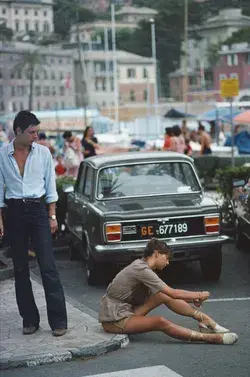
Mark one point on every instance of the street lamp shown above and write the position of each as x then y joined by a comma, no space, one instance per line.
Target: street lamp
154,57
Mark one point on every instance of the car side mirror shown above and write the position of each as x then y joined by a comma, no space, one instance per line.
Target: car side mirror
68,189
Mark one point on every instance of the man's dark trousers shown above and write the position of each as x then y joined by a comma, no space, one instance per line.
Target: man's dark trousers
29,220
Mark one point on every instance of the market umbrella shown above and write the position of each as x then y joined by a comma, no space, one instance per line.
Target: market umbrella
243,118
174,113
220,113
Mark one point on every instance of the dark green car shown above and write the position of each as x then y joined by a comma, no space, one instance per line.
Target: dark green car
241,198
120,201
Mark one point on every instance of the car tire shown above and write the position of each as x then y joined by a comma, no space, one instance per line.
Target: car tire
94,271
211,266
73,252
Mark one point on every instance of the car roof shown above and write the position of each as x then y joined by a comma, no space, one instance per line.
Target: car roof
105,160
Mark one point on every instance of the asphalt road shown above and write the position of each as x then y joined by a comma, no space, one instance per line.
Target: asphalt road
189,360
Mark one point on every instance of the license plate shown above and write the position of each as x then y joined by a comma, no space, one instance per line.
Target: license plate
165,230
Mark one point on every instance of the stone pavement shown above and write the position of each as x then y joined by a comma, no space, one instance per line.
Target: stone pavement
85,337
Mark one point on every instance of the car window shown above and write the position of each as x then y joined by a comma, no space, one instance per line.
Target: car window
88,184
80,182
147,179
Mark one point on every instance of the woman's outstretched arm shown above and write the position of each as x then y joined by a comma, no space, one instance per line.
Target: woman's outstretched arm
187,296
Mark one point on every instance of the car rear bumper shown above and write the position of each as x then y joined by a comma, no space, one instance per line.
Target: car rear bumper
183,249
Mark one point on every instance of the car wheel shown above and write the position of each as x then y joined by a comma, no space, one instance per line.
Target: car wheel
94,271
211,266
73,252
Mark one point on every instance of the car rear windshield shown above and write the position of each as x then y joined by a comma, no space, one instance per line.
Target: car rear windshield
146,179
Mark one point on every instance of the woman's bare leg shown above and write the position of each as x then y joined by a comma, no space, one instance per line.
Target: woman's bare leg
140,324
178,306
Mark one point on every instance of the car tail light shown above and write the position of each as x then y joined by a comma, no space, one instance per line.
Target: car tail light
212,224
113,232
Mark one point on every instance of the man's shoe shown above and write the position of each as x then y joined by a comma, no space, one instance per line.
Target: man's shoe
30,330
59,332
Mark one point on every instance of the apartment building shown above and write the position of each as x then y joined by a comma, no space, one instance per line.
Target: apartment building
234,63
127,17
200,65
136,78
53,85
23,16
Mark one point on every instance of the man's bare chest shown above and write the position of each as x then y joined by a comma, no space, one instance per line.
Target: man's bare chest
21,158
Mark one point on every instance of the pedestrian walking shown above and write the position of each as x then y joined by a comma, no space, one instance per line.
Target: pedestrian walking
89,142
72,153
178,142
137,290
27,177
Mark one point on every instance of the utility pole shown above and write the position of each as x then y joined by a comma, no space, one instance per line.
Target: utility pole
107,68
154,57
186,77
83,71
116,89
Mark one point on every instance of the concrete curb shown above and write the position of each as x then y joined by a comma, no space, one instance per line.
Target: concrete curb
116,342
7,272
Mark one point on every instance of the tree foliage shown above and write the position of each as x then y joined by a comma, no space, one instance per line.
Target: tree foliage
6,34
68,13
243,35
30,62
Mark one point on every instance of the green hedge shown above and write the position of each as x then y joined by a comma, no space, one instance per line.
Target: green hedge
207,166
226,176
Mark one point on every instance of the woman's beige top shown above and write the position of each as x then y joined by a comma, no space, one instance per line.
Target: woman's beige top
129,289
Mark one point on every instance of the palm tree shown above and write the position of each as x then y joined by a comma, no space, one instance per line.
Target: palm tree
29,63
6,33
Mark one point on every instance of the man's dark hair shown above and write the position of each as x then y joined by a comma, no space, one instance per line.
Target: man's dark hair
169,131
24,119
160,246
67,134
201,127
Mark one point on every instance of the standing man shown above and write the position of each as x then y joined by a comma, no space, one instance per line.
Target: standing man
28,174
205,140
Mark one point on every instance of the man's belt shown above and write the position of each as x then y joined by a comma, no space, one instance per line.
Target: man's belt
25,200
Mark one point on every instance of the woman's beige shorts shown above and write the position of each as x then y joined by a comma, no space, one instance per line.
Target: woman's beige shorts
120,324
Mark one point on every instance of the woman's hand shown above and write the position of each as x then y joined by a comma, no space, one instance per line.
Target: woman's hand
202,296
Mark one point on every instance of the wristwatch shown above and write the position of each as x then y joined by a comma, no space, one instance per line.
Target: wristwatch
52,217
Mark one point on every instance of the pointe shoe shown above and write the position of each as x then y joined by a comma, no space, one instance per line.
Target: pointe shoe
217,329
229,338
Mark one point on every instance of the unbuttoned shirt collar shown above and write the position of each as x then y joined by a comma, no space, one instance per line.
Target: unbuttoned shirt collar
11,149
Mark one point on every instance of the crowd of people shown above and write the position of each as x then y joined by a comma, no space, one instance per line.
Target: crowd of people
69,150
177,139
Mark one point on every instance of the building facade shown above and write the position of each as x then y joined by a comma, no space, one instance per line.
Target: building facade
24,16
126,18
53,85
136,79
135,15
101,6
200,64
234,63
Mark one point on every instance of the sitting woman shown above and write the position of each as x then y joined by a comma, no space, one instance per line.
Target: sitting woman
137,290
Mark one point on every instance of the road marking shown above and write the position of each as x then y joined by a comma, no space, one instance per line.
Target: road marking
157,371
229,299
